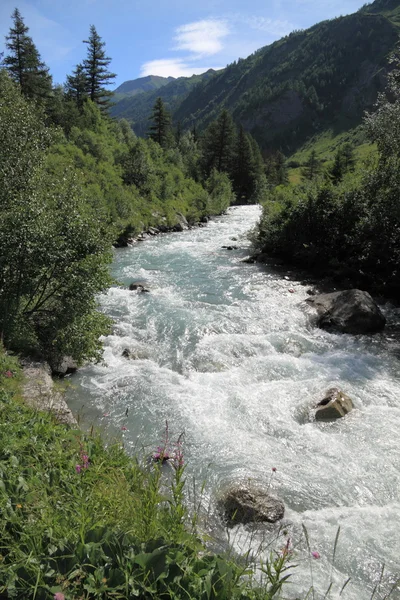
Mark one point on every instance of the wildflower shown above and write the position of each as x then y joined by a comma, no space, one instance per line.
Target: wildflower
59,596
78,468
8,374
123,428
19,505
315,554
85,460
286,549
106,414
104,580
274,469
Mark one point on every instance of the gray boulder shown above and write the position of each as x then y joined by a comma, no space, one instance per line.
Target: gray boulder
335,405
350,311
248,503
64,366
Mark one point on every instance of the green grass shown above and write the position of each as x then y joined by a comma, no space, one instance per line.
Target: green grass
87,521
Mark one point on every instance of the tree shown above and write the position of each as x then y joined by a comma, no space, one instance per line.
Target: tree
343,163
312,167
54,248
95,68
24,63
76,86
243,168
218,144
160,129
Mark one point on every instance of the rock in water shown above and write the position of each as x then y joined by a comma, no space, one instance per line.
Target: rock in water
139,286
336,404
350,311
248,503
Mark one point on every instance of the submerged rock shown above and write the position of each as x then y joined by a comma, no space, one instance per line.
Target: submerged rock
248,503
350,311
335,405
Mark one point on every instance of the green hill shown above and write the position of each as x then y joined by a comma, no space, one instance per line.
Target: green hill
311,83
137,108
304,84
142,84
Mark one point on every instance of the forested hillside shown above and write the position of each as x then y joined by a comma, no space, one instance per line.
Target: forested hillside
312,81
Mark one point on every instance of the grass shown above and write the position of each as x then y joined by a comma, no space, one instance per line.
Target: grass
82,521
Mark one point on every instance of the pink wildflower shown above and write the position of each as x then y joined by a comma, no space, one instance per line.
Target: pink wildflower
274,469
123,428
8,374
85,460
106,414
315,554
59,596
78,468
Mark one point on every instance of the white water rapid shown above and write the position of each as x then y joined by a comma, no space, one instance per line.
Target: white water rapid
229,355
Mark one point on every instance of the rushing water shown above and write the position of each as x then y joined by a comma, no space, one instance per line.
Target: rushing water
229,355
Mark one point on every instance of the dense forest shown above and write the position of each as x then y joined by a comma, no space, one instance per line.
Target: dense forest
73,181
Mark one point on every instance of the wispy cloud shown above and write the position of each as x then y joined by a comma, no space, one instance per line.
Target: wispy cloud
202,38
274,27
172,68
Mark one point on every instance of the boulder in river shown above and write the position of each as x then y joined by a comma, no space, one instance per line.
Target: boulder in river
139,286
350,311
335,405
246,502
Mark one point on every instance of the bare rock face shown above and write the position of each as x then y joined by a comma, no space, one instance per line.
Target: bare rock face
65,366
350,311
249,503
39,393
335,405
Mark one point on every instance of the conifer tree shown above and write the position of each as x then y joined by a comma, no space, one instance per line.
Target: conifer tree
95,68
218,144
243,167
160,129
24,63
76,86
312,167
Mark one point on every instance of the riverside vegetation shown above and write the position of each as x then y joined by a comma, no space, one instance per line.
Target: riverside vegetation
81,520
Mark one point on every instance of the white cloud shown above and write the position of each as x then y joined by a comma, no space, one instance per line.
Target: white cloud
172,68
274,27
202,38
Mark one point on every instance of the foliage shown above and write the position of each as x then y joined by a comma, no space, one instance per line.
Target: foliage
86,521
351,229
24,63
95,69
160,129
54,248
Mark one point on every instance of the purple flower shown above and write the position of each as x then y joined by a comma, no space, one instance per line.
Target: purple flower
315,554
8,374
78,468
59,596
274,469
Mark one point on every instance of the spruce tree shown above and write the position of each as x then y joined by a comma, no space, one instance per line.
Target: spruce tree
312,167
95,68
243,168
76,86
160,129
218,144
24,63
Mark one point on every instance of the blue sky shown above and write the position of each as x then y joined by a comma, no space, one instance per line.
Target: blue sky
163,37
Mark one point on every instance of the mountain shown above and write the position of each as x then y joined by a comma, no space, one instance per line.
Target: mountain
142,84
137,107
308,82
314,82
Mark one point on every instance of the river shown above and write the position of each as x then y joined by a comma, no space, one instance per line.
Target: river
229,355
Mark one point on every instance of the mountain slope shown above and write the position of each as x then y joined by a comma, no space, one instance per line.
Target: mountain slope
324,77
142,84
137,108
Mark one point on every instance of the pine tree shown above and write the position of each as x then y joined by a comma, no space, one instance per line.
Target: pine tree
76,86
243,168
95,68
160,130
218,144
24,63
312,167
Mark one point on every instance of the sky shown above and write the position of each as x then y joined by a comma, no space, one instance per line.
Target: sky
162,37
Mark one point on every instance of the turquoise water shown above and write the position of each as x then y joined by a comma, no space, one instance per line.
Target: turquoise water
228,354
